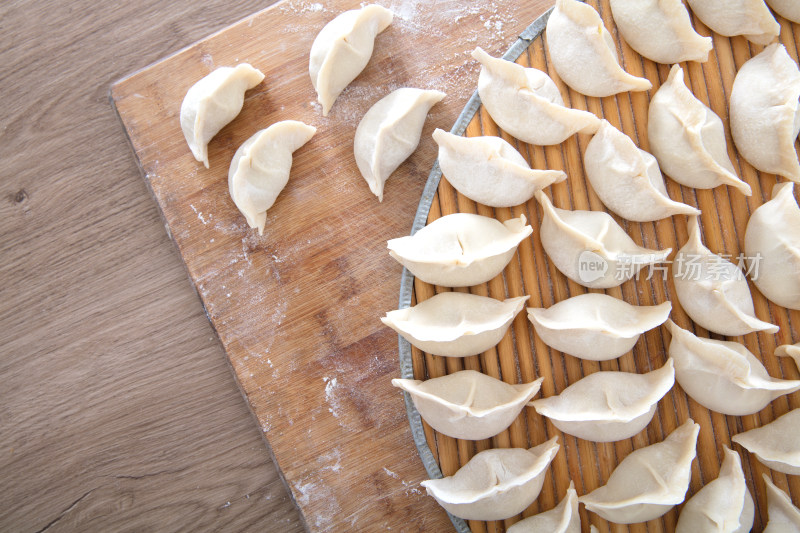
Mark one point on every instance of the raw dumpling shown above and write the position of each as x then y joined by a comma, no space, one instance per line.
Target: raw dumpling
593,326
789,350
649,481
495,484
723,505
713,291
526,103
584,54
489,170
660,30
590,248
260,168
212,102
789,9
628,179
723,376
688,138
460,250
563,518
784,517
776,444
390,132
750,18
772,245
608,406
765,113
342,49
455,324
467,404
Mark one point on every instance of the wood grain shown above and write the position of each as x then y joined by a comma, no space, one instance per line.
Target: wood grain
521,356
118,411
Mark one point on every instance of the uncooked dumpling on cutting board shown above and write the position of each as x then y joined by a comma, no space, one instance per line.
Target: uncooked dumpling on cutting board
342,49
460,250
608,406
789,9
260,168
765,112
597,327
563,518
713,291
784,517
789,350
526,103
776,444
688,138
649,481
584,54
489,170
495,484
627,179
389,133
468,404
751,18
660,30
213,102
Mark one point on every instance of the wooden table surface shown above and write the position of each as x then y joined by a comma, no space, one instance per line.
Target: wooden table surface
117,407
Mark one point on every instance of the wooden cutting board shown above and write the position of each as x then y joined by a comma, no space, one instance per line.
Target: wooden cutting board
297,309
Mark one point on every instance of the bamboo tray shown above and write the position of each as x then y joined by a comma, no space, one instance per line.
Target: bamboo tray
522,357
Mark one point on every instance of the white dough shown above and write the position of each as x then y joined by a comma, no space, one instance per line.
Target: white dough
489,170
660,30
784,517
765,113
495,484
563,518
213,102
342,49
628,179
467,404
713,291
460,250
526,103
688,138
789,350
260,168
597,327
649,481
789,9
608,406
750,18
584,54
389,133
776,444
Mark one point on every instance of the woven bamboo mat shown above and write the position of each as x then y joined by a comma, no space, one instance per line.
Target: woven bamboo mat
522,357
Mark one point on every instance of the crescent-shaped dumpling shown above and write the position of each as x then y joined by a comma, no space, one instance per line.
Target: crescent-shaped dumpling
593,326
526,103
789,9
713,291
660,30
390,132
628,179
489,170
212,102
723,505
765,113
608,406
563,518
495,484
590,248
776,444
789,350
460,250
772,246
342,49
455,324
468,404
784,517
649,481
750,18
723,376
584,54
260,168
688,138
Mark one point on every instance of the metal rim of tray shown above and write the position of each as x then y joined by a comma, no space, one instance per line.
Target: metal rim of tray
525,39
